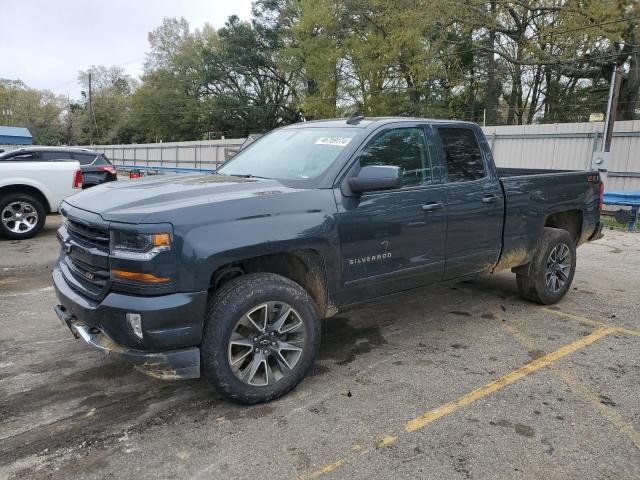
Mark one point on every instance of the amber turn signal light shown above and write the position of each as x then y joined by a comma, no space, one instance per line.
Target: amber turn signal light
138,277
161,240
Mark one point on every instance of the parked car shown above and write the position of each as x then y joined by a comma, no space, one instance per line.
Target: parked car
31,190
96,167
229,274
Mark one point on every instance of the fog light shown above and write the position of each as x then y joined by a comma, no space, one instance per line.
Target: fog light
135,323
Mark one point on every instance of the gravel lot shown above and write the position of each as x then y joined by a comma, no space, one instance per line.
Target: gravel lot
459,381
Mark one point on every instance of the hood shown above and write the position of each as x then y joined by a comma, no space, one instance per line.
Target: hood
132,200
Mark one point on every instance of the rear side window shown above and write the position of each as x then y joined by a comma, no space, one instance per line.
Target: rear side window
21,157
404,148
53,156
85,158
462,154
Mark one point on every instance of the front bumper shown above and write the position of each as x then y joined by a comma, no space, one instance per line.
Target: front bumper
172,327
170,365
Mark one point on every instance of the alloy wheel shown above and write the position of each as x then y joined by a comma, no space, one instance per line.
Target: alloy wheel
19,217
558,268
266,344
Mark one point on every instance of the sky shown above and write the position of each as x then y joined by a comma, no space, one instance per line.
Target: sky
45,43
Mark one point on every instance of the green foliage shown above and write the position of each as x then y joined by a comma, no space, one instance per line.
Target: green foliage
103,123
503,61
38,110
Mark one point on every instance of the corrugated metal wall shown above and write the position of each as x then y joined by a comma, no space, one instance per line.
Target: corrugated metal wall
569,146
560,146
205,154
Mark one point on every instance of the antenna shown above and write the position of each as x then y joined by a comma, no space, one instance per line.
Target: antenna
355,118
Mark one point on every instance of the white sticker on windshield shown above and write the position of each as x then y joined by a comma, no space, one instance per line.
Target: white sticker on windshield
338,141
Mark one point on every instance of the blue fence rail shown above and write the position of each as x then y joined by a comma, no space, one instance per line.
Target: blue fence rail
128,167
628,199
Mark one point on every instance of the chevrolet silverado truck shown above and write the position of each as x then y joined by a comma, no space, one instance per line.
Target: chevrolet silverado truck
228,274
30,189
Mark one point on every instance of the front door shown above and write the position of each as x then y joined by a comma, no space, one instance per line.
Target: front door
393,240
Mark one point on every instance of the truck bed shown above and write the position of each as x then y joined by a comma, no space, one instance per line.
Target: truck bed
532,196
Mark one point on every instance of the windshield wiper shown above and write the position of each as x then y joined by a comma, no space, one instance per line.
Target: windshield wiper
243,175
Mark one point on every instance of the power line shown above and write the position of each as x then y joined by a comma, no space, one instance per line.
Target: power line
594,25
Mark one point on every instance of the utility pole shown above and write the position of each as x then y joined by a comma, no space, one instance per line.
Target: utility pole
90,112
69,121
600,160
612,108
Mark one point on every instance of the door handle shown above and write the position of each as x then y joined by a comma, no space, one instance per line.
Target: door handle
490,199
429,207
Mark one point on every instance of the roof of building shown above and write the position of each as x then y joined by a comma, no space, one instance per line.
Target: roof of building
15,132
15,136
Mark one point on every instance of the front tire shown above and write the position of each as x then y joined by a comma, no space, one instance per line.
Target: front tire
22,216
261,336
552,268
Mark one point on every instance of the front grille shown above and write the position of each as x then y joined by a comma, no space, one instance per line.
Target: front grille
85,264
87,274
87,234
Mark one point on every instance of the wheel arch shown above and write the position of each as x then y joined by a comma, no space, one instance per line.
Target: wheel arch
569,220
306,267
28,189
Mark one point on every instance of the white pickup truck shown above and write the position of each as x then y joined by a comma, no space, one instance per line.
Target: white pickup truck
29,190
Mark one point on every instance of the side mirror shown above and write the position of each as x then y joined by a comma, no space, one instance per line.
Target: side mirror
376,177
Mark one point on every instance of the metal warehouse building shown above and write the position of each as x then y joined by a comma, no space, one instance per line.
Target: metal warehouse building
15,136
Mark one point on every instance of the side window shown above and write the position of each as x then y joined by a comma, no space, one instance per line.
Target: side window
404,148
85,158
53,156
22,157
462,154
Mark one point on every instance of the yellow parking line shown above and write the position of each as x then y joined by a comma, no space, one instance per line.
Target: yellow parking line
505,380
623,425
387,440
326,469
588,321
491,387
581,390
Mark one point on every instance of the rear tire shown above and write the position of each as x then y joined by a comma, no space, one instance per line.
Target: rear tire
552,268
22,216
261,336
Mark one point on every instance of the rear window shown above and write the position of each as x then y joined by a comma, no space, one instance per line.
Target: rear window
462,153
103,160
85,158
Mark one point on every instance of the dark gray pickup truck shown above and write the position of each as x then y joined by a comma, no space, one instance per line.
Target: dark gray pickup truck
229,274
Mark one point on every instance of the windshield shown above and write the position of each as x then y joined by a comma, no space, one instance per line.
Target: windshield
295,153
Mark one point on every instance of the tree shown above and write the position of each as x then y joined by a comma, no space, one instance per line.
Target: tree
38,110
111,88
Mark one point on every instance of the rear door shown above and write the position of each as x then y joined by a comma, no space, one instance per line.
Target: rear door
393,240
475,203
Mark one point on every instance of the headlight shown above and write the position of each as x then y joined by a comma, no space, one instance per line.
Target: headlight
138,246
